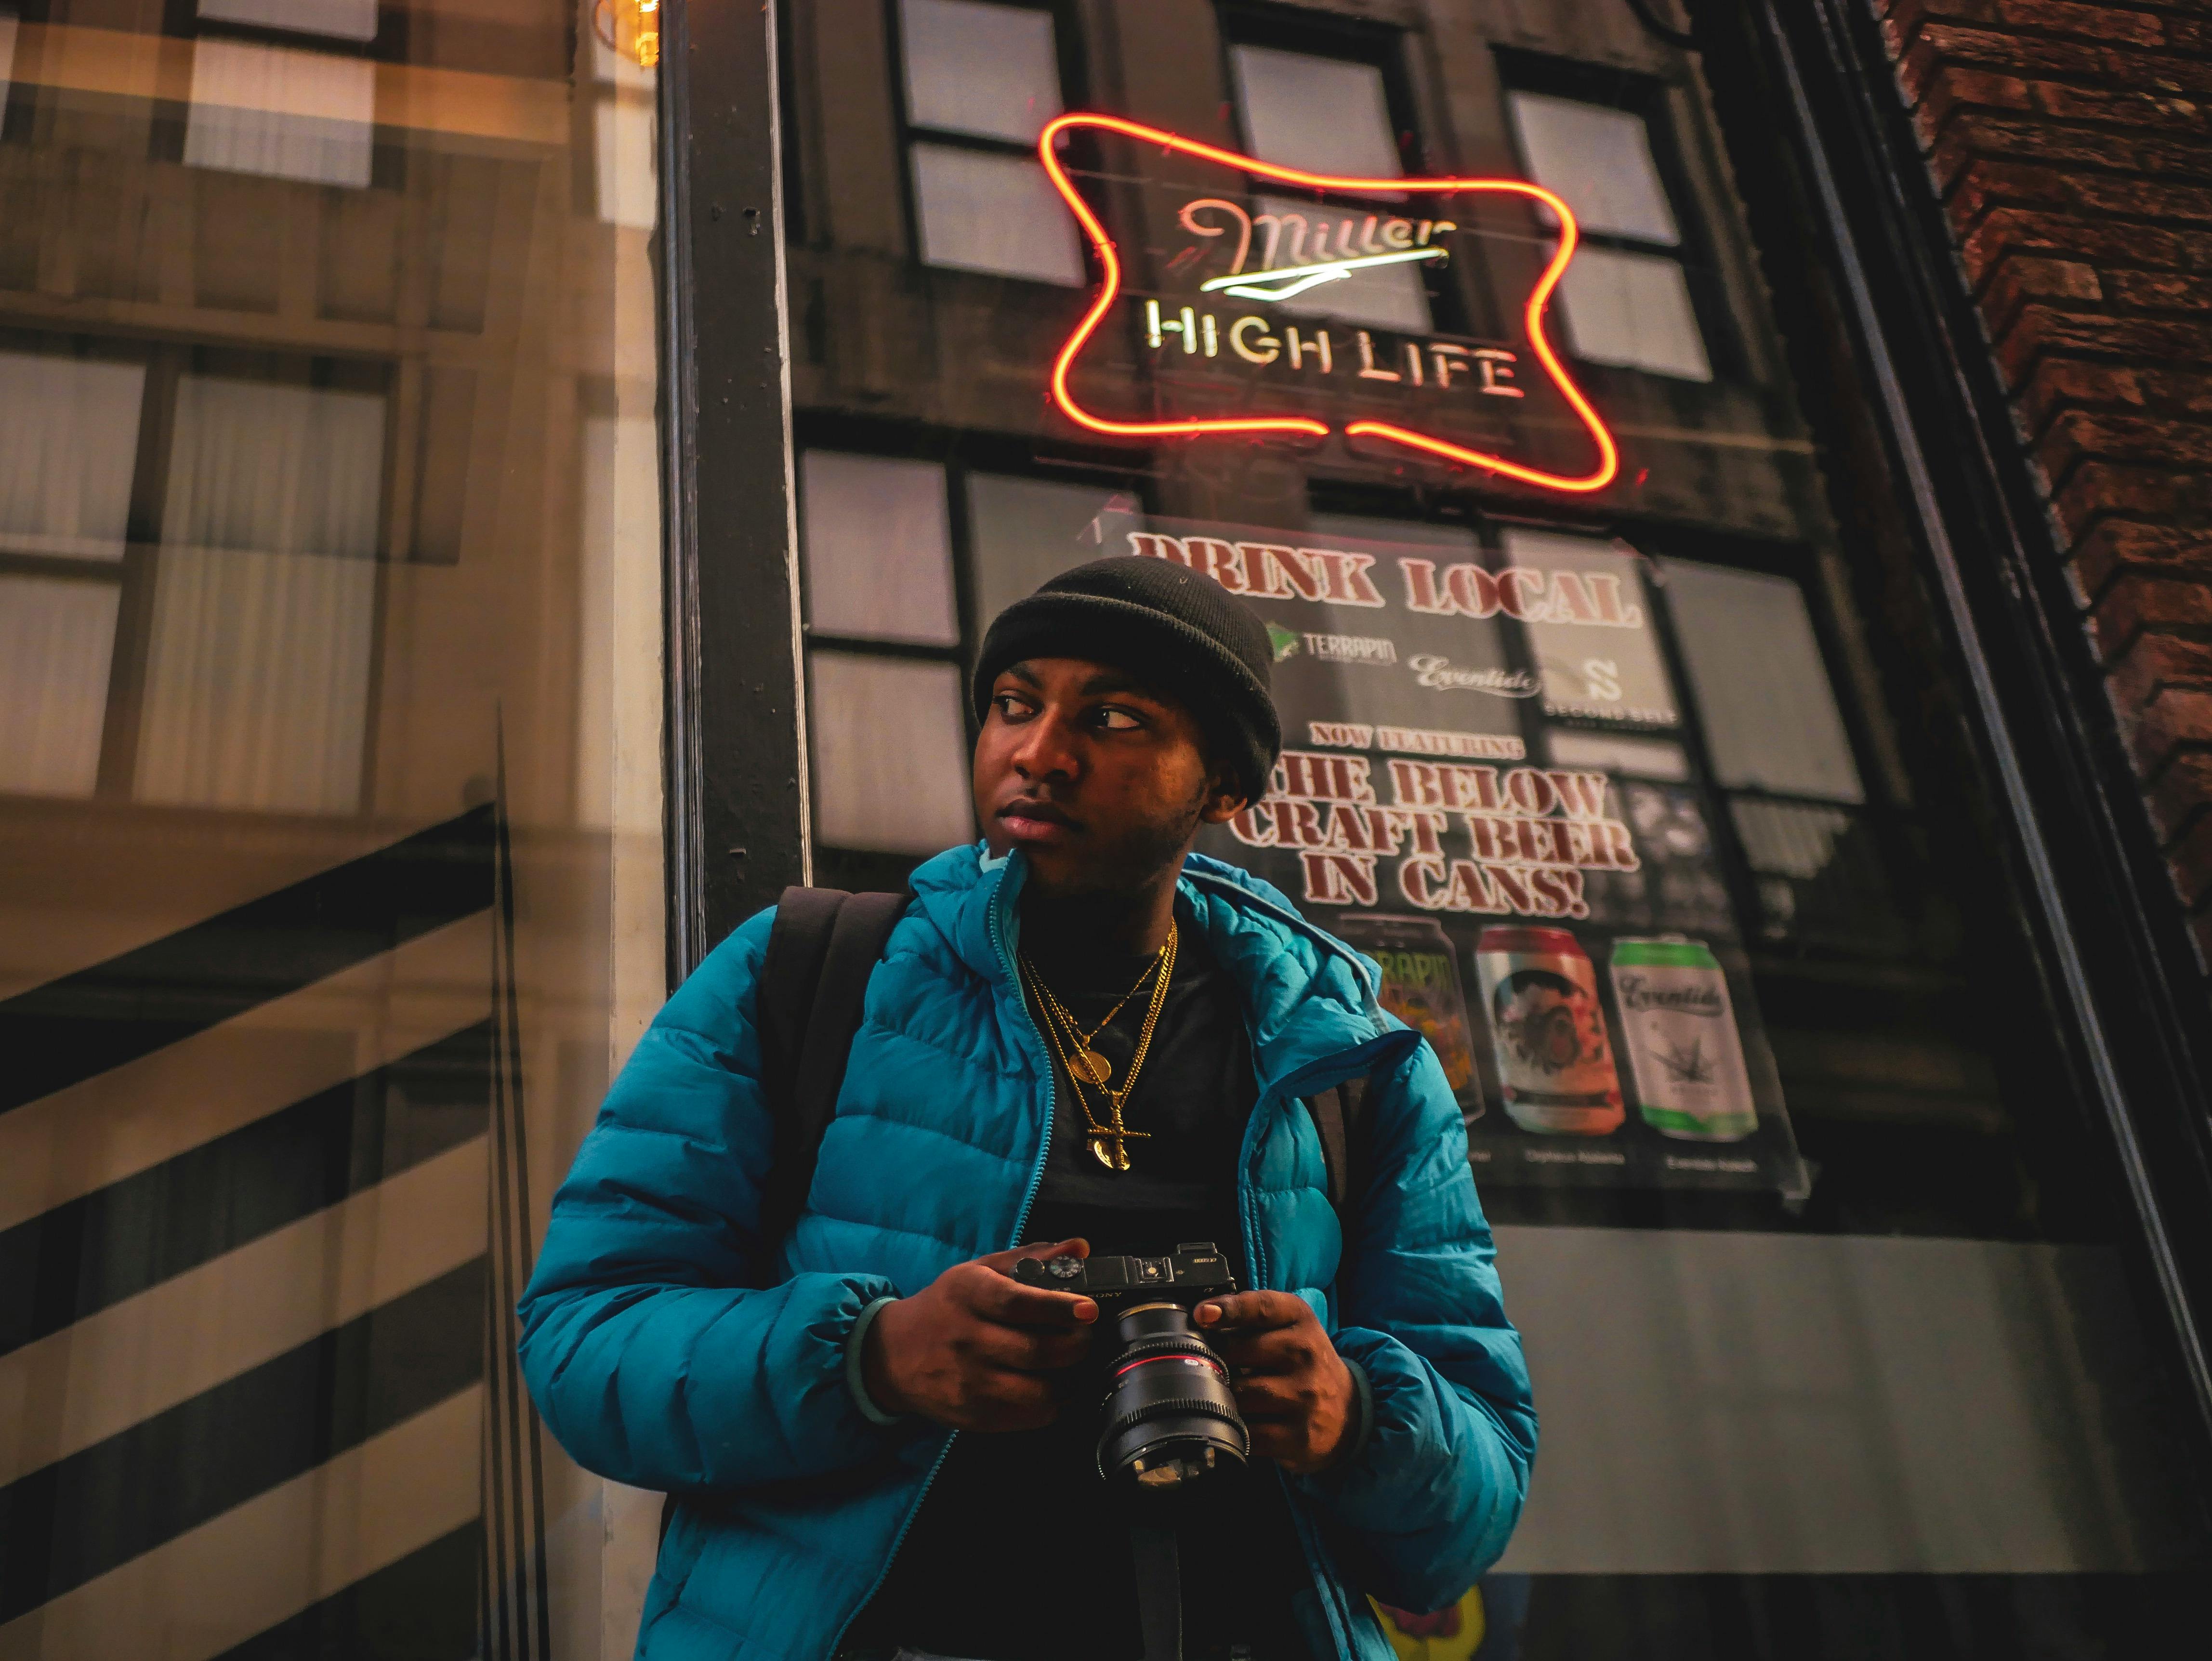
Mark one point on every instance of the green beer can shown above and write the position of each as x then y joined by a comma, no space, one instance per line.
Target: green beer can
1678,1029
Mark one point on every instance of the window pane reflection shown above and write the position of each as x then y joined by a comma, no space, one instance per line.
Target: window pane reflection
57,643
890,754
68,441
987,212
878,553
346,20
1024,531
256,680
985,70
286,114
1633,310
1323,114
1599,160
1769,715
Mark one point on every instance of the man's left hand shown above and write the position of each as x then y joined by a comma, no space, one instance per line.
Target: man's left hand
1293,1389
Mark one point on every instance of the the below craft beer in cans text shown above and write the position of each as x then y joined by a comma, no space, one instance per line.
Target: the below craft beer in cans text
1679,1029
1554,1060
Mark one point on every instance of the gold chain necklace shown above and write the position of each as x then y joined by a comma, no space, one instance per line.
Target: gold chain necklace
1108,1142
1086,1062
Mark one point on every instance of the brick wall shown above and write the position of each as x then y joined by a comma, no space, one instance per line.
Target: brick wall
2072,146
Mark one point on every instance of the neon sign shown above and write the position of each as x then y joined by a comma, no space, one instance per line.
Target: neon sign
1402,241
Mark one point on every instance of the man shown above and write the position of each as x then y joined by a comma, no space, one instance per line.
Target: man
1081,1034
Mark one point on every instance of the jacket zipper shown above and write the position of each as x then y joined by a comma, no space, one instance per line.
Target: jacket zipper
1029,1202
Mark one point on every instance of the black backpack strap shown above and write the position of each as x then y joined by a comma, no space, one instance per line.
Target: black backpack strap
822,948
797,946
834,943
1340,1114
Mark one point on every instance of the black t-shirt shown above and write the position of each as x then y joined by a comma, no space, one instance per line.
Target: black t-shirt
1021,1552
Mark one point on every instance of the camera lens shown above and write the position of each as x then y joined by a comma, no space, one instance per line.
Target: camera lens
1170,1415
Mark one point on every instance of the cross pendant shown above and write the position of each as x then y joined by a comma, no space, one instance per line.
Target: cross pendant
1110,1147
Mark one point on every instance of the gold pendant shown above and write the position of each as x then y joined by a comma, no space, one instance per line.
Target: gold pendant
1109,1150
1090,1067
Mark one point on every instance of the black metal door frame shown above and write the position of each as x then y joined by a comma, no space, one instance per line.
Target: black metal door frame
735,734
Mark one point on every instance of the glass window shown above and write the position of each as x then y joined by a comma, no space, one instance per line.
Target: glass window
878,551
1668,749
984,205
1024,531
1613,752
1600,161
256,680
1769,715
624,124
68,442
983,212
286,114
1626,298
1591,666
1632,310
331,624
1322,114
979,69
346,20
1386,296
56,645
889,744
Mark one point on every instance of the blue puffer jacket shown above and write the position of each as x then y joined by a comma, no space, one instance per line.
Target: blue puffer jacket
670,1348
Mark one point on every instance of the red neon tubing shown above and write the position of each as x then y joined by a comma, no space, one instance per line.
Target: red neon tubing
1608,462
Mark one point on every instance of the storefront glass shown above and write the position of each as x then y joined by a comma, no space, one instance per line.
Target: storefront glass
331,879
1611,733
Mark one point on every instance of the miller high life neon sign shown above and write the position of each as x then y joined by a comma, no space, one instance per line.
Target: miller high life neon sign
1364,241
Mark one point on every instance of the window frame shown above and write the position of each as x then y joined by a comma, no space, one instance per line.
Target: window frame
960,455
1068,61
1455,297
1695,251
134,575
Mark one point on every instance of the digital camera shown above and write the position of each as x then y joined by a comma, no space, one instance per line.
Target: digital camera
1168,1416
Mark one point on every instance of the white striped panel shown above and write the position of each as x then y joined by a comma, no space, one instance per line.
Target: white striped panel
215,1585
148,1353
62,1146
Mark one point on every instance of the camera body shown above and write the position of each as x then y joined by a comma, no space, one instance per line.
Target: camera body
1167,1416
1194,1272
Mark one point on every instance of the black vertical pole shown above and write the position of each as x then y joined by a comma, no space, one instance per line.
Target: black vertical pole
735,744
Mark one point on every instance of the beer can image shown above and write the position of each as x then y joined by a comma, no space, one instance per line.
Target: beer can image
1678,1028
1421,987
1554,1059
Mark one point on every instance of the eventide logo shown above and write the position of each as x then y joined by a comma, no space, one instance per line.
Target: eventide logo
1362,241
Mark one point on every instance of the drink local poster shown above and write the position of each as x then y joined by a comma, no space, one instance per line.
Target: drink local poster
1484,787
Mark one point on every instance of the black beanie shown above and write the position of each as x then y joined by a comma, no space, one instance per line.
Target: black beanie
1172,628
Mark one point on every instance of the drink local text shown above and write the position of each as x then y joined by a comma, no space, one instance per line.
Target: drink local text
1335,576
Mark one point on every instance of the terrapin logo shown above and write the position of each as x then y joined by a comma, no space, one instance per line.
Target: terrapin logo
1296,254
1352,648
1286,641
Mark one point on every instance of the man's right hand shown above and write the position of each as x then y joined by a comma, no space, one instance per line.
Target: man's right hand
976,1349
